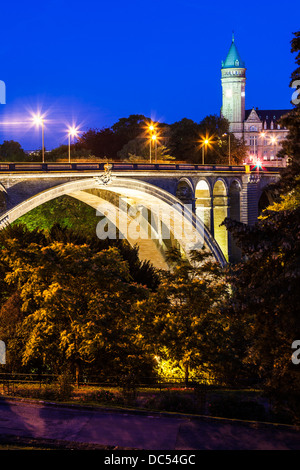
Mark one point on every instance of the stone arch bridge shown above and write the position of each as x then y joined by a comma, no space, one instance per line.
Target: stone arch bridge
155,206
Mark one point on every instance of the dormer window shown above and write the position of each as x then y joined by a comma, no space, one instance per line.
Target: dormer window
272,125
237,63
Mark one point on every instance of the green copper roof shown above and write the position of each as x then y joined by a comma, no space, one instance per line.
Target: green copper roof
233,58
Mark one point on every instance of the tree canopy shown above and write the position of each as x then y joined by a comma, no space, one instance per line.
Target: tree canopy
12,151
71,300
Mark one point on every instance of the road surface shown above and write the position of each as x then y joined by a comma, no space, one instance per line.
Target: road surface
139,430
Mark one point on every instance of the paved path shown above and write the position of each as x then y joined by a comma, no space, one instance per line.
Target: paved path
141,431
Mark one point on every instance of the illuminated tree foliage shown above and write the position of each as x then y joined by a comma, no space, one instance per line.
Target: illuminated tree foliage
72,301
184,320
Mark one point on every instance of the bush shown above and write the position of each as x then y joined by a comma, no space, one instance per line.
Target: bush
102,396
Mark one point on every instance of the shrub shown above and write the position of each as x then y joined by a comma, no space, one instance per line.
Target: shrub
102,396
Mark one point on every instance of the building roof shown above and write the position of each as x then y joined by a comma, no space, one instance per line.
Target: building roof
267,115
233,59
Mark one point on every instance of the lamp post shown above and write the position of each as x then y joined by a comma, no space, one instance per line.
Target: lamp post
39,121
73,132
229,149
154,138
204,146
151,129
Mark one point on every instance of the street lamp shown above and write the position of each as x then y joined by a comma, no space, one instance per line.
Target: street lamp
39,121
205,142
151,129
229,150
154,138
72,132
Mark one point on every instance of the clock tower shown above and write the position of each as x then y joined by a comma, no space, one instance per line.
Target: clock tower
233,90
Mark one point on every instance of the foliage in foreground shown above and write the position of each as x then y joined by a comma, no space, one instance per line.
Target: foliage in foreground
266,293
66,303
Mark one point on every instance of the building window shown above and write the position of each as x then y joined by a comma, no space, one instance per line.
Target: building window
253,140
253,128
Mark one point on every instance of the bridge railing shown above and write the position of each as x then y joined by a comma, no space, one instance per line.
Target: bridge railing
119,166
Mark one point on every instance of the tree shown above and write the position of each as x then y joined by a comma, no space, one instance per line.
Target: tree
107,142
183,140
266,290
184,318
266,283
10,318
76,305
12,151
69,298
291,144
65,211
216,130
186,139
101,143
61,153
127,129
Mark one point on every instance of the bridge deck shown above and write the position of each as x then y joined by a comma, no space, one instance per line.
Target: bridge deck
118,166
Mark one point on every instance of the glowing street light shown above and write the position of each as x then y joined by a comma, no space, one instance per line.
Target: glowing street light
151,129
39,121
206,141
154,139
72,132
229,150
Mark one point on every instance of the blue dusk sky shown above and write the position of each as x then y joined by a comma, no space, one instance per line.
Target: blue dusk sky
93,62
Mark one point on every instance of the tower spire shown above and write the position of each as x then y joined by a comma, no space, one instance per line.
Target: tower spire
233,86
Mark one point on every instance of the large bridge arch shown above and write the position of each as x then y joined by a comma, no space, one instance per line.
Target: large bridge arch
170,216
